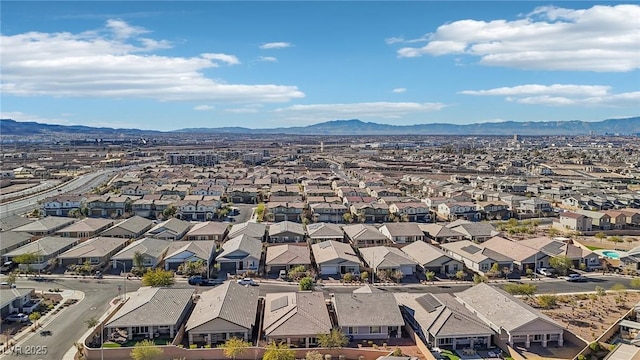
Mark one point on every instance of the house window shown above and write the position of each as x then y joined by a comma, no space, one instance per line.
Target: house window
375,330
537,337
352,330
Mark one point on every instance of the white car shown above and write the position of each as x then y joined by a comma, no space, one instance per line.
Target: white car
247,281
17,318
545,272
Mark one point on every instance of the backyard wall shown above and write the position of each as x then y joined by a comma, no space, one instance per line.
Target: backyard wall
172,352
421,345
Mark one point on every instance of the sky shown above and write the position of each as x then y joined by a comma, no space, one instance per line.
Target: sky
166,65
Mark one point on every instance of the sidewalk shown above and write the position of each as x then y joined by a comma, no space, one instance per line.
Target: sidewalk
70,354
26,333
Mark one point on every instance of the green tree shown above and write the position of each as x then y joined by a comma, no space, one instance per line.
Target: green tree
600,291
460,275
278,351
34,317
601,236
11,278
334,339
138,259
260,212
430,275
234,347
26,258
347,218
298,272
635,283
168,212
190,268
313,355
561,263
306,283
347,278
520,289
547,301
616,239
92,322
158,277
364,276
477,279
146,350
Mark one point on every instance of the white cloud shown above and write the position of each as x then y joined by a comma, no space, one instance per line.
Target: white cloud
204,107
229,59
602,38
388,110
536,89
275,45
122,30
267,59
399,90
561,95
92,64
244,110
402,40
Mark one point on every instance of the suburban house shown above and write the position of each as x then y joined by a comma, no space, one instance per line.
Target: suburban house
172,229
152,251
328,212
441,321
96,251
295,318
440,233
208,230
14,221
180,252
618,219
284,211
575,221
631,259
599,220
222,313
475,231
524,257
12,240
458,210
131,228
553,248
535,206
110,205
371,212
411,211
151,312
252,229
334,258
286,231
320,232
368,316
62,205
243,195
14,300
402,233
45,249
514,321
363,235
476,257
388,258
45,226
287,256
431,258
86,228
240,254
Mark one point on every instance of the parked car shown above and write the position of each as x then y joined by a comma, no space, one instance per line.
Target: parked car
6,285
283,274
576,278
7,266
20,317
45,333
545,271
247,281
199,280
98,275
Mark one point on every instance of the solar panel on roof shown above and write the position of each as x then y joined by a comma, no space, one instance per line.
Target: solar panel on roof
471,249
279,303
428,302
325,245
552,248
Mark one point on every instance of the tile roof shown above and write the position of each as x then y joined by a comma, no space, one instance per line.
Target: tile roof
230,301
247,244
208,228
382,257
324,230
362,232
45,224
363,309
87,225
14,221
152,306
148,246
252,229
44,246
288,254
286,226
202,248
333,250
423,253
294,314
403,229
95,247
10,239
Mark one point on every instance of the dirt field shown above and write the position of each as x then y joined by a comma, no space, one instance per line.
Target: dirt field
588,316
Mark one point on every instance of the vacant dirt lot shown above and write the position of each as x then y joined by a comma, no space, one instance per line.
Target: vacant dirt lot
588,316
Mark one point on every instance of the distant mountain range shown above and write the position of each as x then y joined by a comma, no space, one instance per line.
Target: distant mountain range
356,127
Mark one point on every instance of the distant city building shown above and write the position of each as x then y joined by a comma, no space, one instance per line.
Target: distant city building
198,159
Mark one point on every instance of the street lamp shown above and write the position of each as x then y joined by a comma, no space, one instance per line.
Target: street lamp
124,279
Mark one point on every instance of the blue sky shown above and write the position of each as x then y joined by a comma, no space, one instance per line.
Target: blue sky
171,65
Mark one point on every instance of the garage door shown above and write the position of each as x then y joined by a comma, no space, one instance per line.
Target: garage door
275,269
328,270
407,270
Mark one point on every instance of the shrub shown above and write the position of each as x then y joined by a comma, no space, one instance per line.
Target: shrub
348,277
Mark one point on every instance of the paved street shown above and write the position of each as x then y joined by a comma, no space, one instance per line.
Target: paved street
82,183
